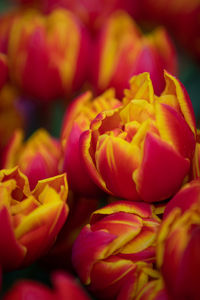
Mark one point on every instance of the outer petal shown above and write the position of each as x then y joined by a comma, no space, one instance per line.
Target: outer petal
3,70
161,172
174,130
88,248
175,87
140,88
185,198
116,160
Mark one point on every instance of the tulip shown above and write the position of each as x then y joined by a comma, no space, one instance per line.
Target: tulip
93,13
142,150
80,209
153,290
10,115
181,18
30,221
37,158
178,244
64,288
77,119
122,51
113,255
47,54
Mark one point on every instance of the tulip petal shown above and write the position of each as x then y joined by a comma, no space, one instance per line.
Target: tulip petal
116,159
175,87
174,130
140,88
89,247
162,170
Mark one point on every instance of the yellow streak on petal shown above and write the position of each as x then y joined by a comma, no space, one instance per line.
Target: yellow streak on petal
140,88
40,216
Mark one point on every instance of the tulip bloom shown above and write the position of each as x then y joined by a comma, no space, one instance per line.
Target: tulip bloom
47,54
37,158
178,244
30,221
77,119
142,150
181,17
64,288
122,51
113,255
93,13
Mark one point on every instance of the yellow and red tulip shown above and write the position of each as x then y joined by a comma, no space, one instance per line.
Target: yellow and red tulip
29,220
37,158
48,54
143,149
181,17
122,51
77,120
113,255
195,172
93,13
178,244
65,287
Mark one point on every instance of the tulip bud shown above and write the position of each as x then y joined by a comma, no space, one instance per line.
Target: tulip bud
143,149
30,221
122,51
64,288
37,158
178,244
77,119
47,54
113,255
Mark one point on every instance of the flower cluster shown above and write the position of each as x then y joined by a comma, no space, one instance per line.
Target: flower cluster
99,152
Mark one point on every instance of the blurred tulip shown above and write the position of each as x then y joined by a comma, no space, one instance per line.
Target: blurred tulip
48,54
30,221
178,243
113,255
65,287
153,290
142,150
122,51
37,158
77,119
93,13
11,117
181,17
80,209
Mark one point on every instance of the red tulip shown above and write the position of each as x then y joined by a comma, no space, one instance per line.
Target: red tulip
30,221
113,255
143,149
77,119
37,158
64,288
122,51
